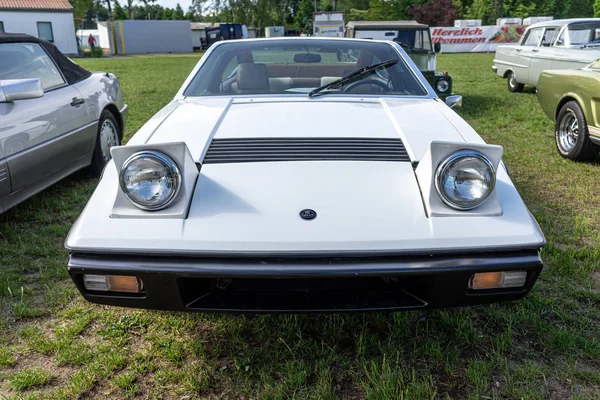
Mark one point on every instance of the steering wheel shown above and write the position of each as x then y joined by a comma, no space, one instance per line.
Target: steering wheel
367,82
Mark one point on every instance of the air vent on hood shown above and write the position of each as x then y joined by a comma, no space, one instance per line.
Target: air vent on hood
236,150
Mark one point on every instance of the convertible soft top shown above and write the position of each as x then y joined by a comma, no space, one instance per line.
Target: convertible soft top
72,72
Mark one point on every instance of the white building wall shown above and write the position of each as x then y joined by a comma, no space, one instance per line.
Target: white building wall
100,34
63,27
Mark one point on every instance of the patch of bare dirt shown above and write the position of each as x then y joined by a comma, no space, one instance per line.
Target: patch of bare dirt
557,390
596,279
60,374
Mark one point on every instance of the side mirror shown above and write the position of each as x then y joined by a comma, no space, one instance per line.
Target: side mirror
437,47
454,102
20,89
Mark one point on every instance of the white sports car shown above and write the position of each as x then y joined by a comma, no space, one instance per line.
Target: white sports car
305,174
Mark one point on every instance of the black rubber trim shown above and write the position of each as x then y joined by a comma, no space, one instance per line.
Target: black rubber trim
318,266
235,150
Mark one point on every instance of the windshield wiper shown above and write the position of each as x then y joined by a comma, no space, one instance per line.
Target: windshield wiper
353,76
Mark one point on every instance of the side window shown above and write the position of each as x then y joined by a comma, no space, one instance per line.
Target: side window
45,31
533,37
26,61
549,36
1,27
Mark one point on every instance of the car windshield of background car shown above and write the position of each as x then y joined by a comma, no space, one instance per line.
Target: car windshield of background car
26,61
587,33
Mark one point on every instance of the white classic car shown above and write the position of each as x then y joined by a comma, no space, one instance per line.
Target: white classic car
558,44
288,175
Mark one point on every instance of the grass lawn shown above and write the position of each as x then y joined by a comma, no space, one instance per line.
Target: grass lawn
53,344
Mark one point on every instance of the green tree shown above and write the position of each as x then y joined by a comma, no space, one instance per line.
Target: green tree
167,13
119,13
597,9
383,10
304,16
178,13
81,7
580,8
148,9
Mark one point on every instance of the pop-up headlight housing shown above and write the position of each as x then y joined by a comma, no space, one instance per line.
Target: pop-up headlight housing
458,179
155,180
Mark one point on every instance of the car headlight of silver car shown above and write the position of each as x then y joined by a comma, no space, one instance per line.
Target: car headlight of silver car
442,85
465,179
150,179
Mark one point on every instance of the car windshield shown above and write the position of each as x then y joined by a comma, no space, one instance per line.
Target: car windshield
414,39
586,33
300,65
418,40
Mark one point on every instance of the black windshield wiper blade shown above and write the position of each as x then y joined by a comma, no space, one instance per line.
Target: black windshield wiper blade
353,76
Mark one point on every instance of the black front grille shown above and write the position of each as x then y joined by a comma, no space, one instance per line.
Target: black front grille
298,295
305,149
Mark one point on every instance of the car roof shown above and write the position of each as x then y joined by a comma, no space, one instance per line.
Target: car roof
386,25
562,22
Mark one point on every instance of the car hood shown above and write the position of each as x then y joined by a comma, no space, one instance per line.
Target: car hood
198,121
362,206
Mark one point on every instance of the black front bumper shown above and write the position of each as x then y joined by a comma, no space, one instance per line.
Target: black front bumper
279,285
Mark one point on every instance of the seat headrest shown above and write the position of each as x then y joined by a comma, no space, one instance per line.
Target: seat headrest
365,59
252,78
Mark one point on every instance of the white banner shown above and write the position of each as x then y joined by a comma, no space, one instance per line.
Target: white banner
475,39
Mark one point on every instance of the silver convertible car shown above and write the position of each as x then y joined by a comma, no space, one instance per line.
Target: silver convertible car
55,117
299,175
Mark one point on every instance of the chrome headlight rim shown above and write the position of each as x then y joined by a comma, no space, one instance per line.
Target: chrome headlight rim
442,166
168,162
444,81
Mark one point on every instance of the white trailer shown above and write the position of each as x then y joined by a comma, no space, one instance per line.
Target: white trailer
466,23
274,31
328,24
535,20
508,21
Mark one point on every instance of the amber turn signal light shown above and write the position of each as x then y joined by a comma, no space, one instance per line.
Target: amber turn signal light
498,280
113,283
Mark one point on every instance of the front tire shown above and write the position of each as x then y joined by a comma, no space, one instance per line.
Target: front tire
109,135
571,135
513,85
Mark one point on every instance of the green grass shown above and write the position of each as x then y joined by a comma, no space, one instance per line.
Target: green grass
30,378
55,345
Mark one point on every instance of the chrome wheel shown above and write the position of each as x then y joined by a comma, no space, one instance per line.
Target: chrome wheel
512,81
568,131
109,137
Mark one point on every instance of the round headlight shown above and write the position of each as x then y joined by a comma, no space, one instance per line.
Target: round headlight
442,85
150,179
465,179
